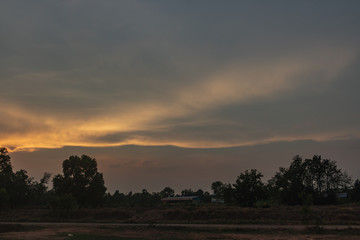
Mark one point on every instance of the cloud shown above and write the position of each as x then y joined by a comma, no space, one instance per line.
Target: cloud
90,74
178,120
242,82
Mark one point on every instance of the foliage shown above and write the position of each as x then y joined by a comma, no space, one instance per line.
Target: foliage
229,194
4,198
355,193
39,192
167,192
204,196
6,170
306,182
18,187
218,189
63,205
142,199
249,188
63,202
319,178
81,180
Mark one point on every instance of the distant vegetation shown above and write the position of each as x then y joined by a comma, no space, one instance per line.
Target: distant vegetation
305,182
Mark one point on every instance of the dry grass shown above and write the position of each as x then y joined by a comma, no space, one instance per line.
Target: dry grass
342,214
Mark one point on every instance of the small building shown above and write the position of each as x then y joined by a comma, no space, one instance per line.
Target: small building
214,199
183,199
342,195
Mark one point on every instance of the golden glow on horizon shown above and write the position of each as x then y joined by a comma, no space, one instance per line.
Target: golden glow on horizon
238,83
31,143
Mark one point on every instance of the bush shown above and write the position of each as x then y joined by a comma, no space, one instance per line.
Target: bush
4,198
63,205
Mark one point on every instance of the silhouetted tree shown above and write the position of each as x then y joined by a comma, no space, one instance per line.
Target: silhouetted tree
324,179
187,192
4,198
39,190
204,196
355,194
249,188
167,192
218,189
229,194
6,169
20,189
144,199
288,184
16,187
82,180
318,178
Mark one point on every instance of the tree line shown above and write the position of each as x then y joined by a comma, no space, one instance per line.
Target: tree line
305,181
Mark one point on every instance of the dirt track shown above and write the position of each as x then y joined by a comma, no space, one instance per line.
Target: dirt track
57,231
197,226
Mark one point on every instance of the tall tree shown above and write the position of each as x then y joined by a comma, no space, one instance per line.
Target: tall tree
167,192
288,184
249,188
82,180
218,189
6,174
315,177
17,188
6,169
355,196
187,192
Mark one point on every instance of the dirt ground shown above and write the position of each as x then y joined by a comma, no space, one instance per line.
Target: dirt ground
55,232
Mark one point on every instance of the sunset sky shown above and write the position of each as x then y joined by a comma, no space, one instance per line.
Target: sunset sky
179,93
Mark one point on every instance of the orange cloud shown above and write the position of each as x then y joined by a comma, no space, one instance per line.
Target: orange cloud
238,83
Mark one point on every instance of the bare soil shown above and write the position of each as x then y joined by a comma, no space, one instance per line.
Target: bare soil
68,231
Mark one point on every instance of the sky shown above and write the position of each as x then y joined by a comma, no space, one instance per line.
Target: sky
179,93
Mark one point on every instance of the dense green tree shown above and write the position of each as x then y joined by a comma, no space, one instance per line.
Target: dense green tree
144,199
204,196
249,188
167,192
187,192
39,192
355,193
6,174
316,178
229,194
288,184
117,199
63,205
20,190
4,198
324,179
6,169
17,186
218,189
5,164
82,180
